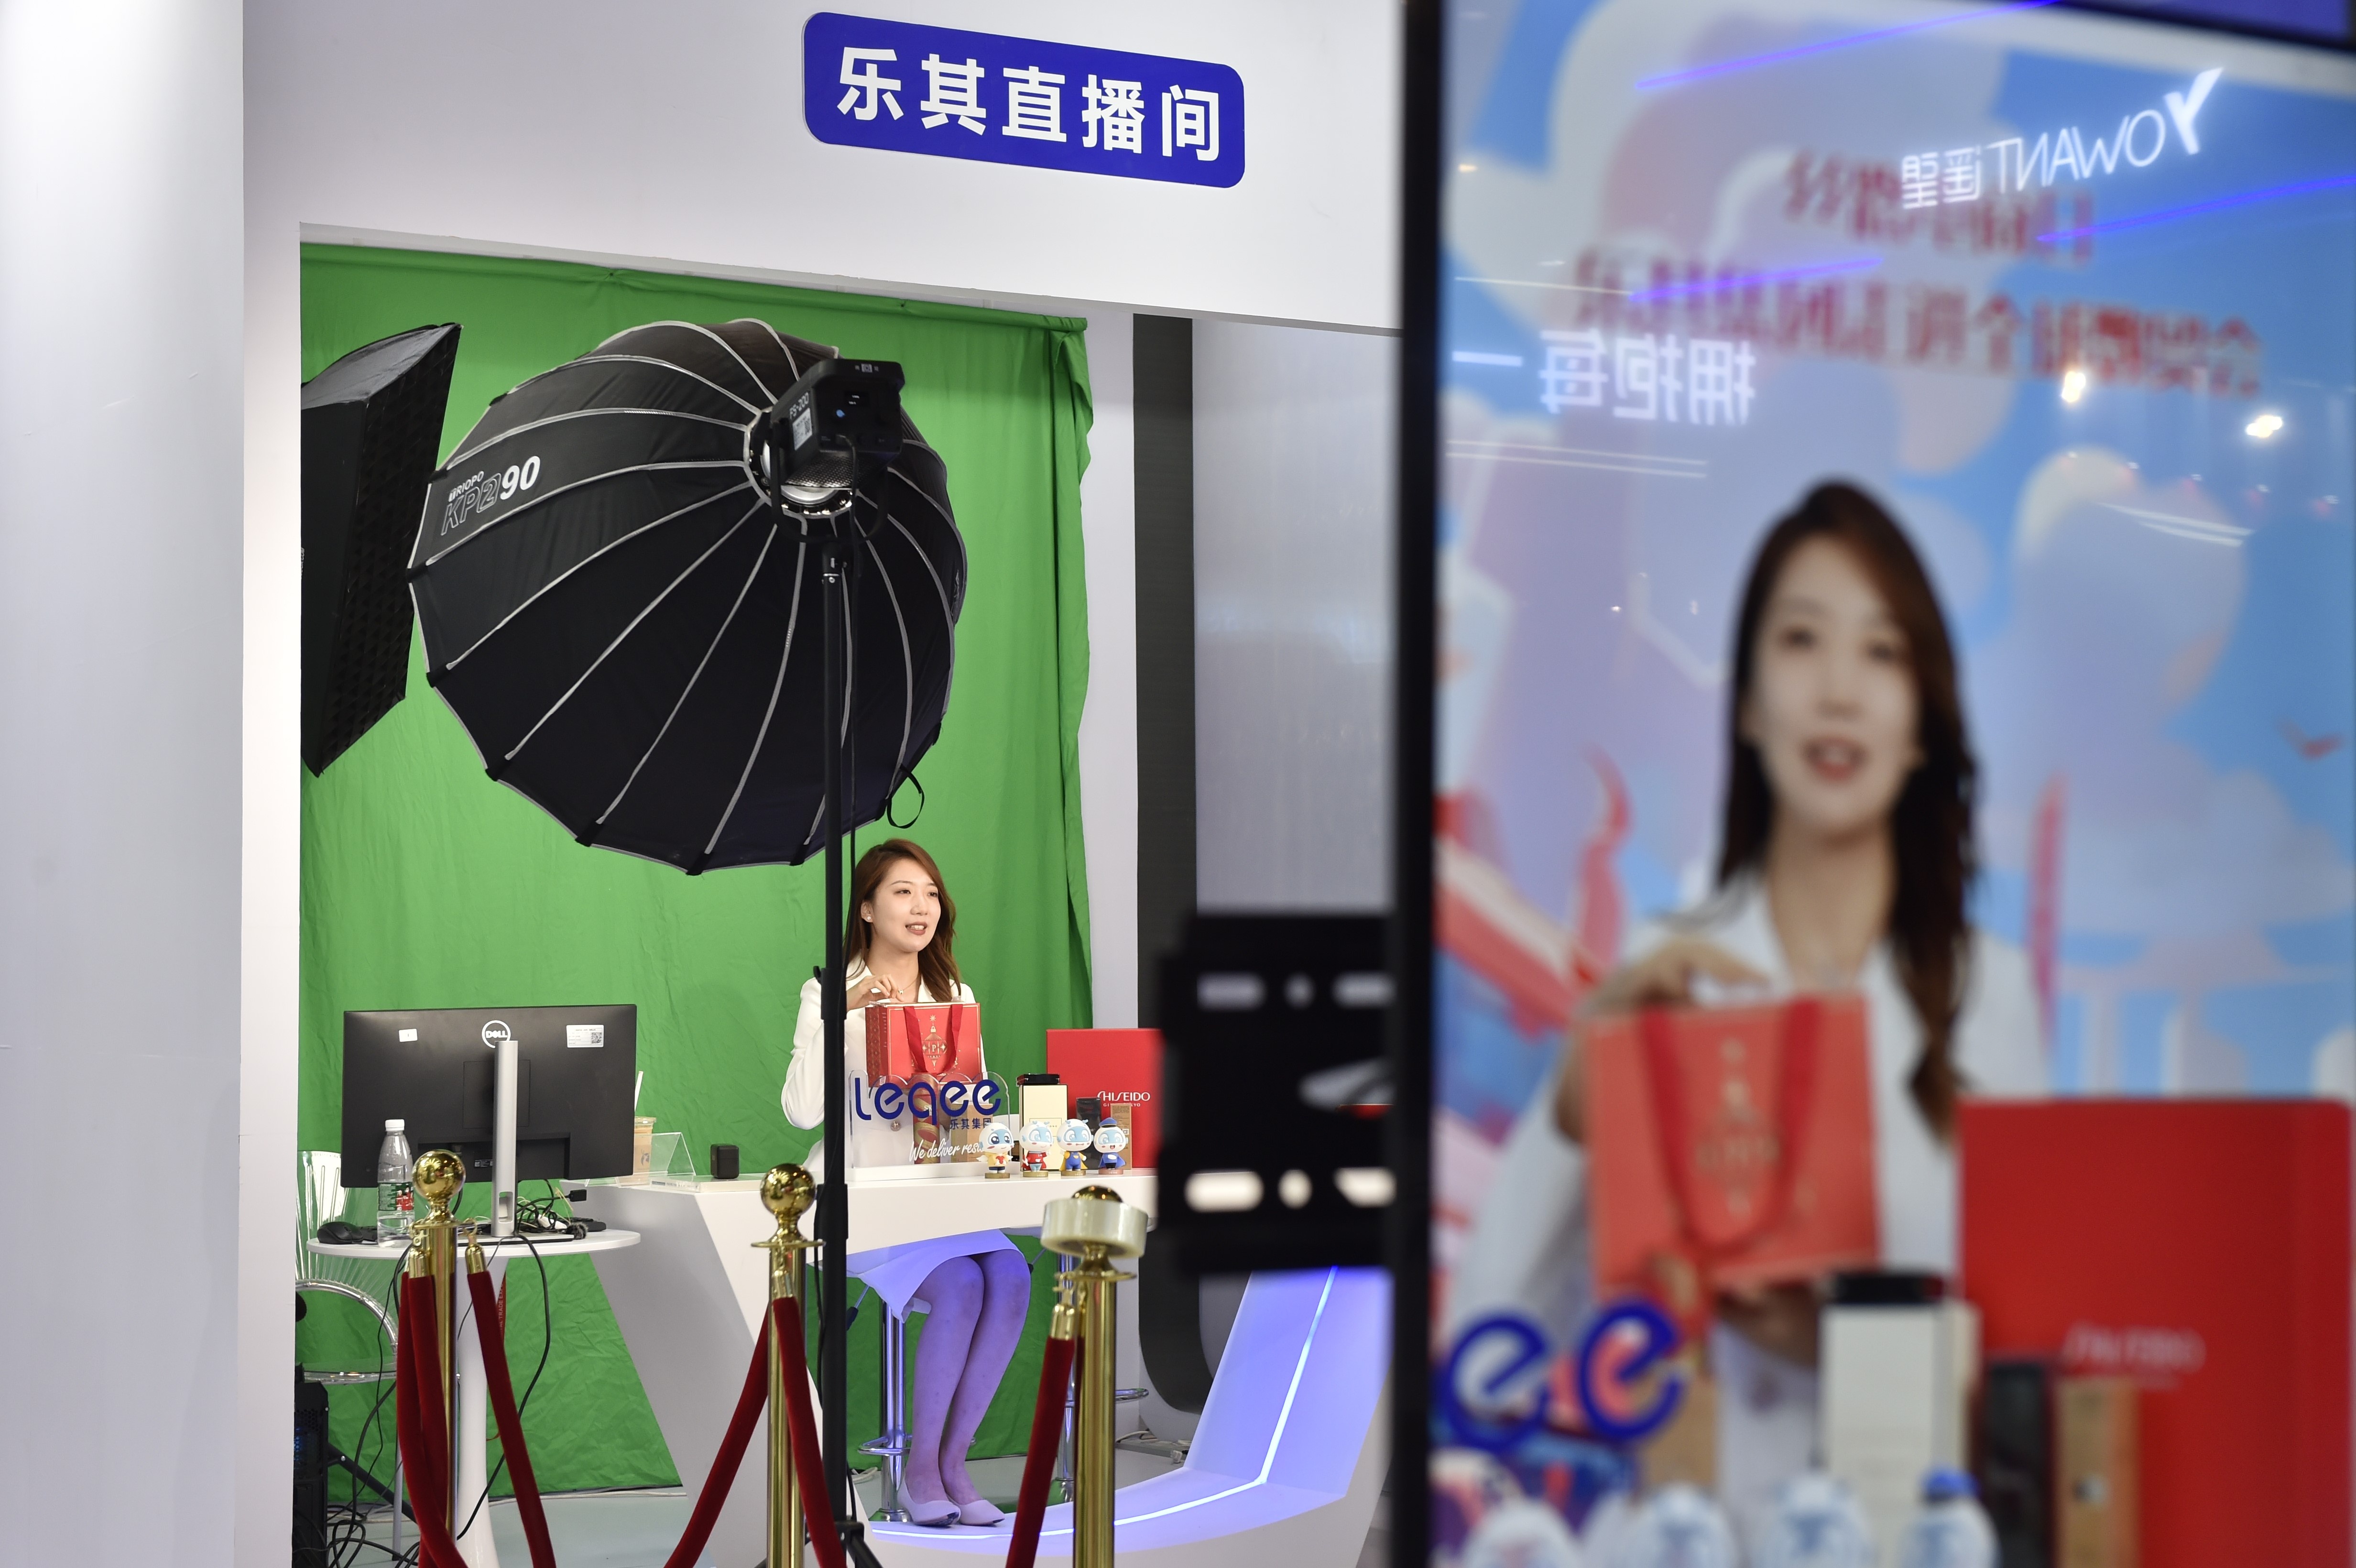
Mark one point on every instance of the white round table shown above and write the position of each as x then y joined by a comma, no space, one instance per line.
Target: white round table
470,1435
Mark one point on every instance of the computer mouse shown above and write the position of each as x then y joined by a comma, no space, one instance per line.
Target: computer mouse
341,1234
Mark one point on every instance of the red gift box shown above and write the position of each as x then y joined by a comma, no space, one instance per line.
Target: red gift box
1118,1067
1730,1147
2201,1249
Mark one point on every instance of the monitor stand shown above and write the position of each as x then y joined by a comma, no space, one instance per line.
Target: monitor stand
503,1137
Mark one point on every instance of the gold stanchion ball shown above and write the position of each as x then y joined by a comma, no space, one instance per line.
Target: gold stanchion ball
438,1176
788,1192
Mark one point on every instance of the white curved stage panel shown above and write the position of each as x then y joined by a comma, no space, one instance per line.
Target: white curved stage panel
1286,1464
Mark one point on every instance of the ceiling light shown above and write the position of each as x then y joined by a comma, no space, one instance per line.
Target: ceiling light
2073,385
2263,427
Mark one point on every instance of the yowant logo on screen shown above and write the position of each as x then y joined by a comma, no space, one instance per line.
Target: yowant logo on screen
1961,175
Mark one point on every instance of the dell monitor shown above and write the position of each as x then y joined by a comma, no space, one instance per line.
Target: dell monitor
437,1069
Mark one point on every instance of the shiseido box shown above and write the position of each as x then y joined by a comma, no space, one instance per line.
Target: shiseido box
2197,1250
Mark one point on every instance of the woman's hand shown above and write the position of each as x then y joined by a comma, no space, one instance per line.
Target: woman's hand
869,989
1662,977
1665,976
1782,1320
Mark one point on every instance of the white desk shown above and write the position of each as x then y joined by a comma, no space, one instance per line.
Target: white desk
696,1296
470,1433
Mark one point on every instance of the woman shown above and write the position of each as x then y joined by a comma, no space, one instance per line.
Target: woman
976,1288
1845,861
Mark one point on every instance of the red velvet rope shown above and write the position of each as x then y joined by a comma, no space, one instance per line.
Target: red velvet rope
488,1322
431,1387
1039,1462
425,1443
722,1473
425,1455
818,1511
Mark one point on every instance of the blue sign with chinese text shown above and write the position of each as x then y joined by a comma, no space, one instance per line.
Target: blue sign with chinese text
908,88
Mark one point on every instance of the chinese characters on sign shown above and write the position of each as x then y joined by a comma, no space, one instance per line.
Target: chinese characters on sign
1884,202
1702,381
909,88
1924,326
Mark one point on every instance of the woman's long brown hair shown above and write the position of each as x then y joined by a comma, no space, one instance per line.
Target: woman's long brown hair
936,965
1931,828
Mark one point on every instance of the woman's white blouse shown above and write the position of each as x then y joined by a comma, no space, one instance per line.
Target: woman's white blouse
870,1140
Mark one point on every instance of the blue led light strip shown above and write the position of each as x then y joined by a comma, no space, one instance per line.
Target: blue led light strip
2169,214
1712,286
1773,56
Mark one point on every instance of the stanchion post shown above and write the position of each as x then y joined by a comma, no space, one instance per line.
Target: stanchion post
433,1252
1096,1227
787,1191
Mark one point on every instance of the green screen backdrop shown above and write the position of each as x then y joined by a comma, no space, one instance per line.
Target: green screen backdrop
426,885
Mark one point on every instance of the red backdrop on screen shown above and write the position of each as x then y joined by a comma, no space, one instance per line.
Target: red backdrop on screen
2202,1248
1119,1066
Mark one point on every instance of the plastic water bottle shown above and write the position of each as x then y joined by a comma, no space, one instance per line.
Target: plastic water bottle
394,1200
1816,1524
1952,1530
1677,1527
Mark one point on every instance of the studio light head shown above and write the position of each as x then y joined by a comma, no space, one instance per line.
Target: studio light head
833,430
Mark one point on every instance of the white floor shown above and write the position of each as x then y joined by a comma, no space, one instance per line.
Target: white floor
637,1528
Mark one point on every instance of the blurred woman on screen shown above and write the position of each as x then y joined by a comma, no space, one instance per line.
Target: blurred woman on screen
974,1287
1846,859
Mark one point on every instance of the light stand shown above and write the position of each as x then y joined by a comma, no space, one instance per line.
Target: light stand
834,1194
833,428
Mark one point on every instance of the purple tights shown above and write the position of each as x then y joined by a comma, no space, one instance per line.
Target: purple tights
978,1308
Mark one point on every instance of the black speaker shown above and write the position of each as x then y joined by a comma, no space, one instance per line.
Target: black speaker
311,1543
371,434
724,1162
2017,1460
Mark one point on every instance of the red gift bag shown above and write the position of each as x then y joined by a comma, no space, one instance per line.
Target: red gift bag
1730,1147
924,1061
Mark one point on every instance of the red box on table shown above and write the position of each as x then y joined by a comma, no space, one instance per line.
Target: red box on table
1730,1146
2203,1249
1118,1067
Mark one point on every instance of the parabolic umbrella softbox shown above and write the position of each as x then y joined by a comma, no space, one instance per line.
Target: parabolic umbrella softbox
629,626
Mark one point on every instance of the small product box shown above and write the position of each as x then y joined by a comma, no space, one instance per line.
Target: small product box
1901,1363
2096,1485
1044,1102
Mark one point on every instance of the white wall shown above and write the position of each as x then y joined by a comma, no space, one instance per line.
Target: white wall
120,279
1293,462
1108,722
674,130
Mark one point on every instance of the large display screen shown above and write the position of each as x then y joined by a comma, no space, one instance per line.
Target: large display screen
1922,424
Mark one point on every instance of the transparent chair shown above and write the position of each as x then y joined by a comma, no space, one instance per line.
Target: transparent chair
319,1198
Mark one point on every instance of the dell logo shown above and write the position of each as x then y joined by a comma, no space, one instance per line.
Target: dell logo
497,1033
